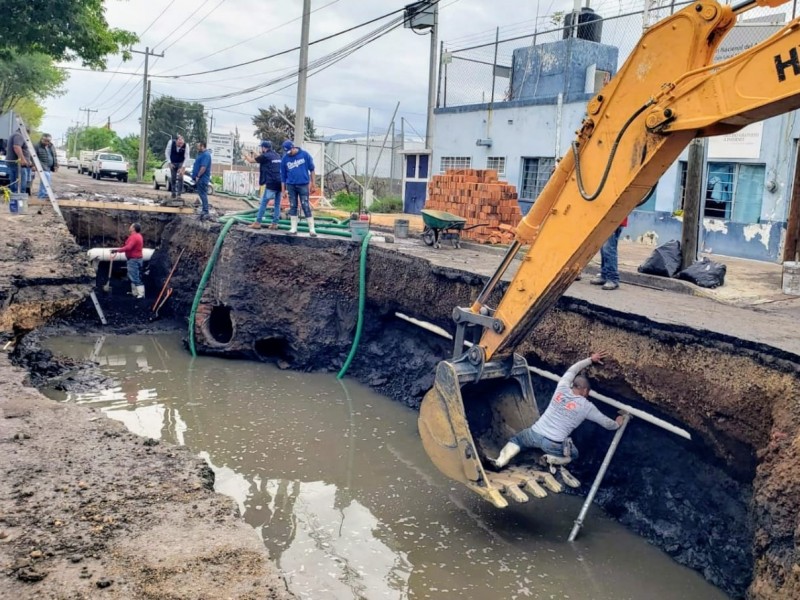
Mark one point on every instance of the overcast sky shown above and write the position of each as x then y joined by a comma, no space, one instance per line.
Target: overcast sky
392,69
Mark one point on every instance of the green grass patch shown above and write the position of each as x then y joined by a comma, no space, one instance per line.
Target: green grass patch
345,201
389,204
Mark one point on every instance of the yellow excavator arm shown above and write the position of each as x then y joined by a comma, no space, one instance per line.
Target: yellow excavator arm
667,93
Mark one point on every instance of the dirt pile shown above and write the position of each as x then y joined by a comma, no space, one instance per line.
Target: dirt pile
86,506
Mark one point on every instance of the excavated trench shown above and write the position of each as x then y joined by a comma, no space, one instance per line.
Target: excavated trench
725,504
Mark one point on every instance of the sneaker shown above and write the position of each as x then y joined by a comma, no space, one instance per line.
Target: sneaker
610,285
598,280
255,225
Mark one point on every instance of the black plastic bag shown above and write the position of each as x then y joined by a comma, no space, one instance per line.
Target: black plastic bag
665,261
705,273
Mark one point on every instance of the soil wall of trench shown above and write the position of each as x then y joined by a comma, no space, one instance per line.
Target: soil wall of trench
725,503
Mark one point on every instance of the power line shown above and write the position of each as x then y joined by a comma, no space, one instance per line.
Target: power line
182,23
185,33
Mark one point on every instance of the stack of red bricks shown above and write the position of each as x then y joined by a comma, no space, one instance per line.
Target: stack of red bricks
482,199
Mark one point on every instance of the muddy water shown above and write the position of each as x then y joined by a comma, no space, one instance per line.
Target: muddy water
334,479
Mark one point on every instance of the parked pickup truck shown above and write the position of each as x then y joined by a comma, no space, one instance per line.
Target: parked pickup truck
85,163
106,164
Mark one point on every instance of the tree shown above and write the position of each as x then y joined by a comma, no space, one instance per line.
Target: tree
89,138
169,117
30,111
64,30
277,125
31,76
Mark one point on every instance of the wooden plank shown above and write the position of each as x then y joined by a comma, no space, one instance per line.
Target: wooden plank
126,206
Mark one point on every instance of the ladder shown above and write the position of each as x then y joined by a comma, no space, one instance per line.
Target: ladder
20,125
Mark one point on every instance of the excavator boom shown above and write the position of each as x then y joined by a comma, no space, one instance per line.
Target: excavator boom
667,93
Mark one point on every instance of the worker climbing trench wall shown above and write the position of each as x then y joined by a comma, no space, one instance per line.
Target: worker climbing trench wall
480,197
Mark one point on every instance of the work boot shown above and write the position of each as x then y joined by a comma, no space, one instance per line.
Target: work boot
273,225
311,231
509,451
598,280
293,229
140,291
610,285
255,225
133,290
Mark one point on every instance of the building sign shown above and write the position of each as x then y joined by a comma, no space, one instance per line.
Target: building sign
221,147
745,143
747,33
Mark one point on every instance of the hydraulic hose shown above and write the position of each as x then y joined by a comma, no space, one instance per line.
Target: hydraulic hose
362,296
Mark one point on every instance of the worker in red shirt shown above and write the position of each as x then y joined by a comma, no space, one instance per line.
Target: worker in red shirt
133,252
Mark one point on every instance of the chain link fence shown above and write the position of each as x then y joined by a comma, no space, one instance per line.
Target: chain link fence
499,70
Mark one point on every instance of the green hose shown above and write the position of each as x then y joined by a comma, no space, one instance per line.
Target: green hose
362,296
204,281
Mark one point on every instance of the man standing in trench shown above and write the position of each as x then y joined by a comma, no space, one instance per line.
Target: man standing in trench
201,174
133,252
297,179
568,408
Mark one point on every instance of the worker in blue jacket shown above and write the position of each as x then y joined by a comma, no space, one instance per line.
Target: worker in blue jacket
297,180
201,174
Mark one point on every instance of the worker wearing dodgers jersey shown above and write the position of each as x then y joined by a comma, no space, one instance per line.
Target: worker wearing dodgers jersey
568,408
297,180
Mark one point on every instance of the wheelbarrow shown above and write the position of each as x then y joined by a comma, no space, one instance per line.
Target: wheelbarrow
440,225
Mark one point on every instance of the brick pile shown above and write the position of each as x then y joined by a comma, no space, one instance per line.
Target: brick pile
481,198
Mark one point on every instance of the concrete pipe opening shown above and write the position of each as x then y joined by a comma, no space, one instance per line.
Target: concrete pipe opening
219,328
272,349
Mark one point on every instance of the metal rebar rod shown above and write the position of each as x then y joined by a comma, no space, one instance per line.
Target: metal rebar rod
599,478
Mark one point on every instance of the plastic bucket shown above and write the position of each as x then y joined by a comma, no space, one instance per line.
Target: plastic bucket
401,228
358,229
17,204
791,278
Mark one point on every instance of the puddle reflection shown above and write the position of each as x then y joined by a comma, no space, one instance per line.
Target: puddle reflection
336,482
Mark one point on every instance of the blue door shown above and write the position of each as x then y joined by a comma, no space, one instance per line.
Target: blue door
414,197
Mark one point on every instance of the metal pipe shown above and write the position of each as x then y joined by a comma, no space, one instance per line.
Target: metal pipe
553,377
599,478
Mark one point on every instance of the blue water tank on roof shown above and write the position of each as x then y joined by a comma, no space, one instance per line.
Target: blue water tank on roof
590,25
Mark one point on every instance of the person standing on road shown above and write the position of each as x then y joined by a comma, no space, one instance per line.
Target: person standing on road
609,261
201,173
297,181
269,177
19,163
47,157
133,253
568,408
176,156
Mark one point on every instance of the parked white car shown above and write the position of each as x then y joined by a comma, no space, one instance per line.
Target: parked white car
85,162
73,163
106,164
161,177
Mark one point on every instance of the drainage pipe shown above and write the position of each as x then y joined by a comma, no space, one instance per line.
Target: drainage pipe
599,478
104,254
553,377
362,295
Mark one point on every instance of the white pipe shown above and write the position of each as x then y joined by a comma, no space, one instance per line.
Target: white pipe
640,414
104,254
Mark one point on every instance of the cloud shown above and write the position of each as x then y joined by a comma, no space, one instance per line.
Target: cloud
392,69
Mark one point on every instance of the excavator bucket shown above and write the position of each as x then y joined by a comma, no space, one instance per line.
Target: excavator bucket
469,414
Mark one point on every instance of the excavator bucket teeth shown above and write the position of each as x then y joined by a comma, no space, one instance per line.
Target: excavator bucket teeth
470,413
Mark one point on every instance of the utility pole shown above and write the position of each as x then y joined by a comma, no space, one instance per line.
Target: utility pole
432,77
692,201
302,76
87,111
145,106
369,118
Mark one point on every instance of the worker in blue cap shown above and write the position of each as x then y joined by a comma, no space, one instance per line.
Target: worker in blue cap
297,179
269,178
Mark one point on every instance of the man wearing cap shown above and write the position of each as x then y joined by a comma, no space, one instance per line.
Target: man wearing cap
269,178
297,180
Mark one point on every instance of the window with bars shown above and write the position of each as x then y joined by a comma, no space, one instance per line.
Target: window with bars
733,191
498,163
535,174
455,162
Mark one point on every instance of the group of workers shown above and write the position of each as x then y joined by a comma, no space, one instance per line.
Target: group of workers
290,176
